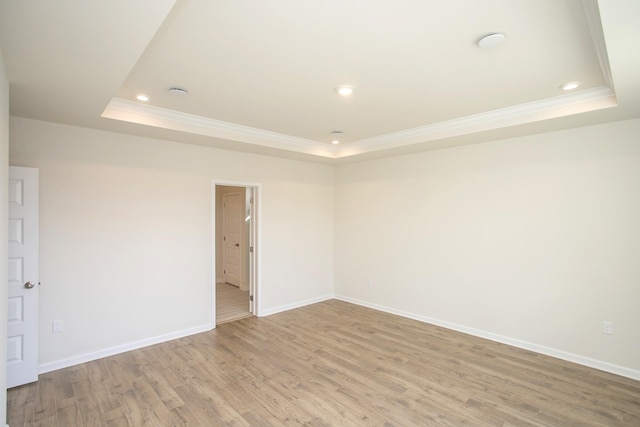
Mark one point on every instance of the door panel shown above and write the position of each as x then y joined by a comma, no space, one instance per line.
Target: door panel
233,245
22,321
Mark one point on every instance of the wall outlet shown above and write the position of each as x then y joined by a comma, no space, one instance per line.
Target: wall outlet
607,327
57,326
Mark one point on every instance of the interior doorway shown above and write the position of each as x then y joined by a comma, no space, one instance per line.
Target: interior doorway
235,294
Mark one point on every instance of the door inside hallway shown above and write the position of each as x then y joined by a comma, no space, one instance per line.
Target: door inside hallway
232,241
233,259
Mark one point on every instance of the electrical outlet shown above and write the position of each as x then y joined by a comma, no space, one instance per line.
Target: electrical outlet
57,326
607,327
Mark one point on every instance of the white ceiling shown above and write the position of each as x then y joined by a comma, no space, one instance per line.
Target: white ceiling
261,76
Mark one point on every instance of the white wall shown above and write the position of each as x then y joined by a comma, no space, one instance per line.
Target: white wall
4,238
126,222
533,240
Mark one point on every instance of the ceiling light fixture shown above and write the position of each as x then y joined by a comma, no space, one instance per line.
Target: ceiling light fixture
491,40
570,86
335,137
176,91
345,90
142,97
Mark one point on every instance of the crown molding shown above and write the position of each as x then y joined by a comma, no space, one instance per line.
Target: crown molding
592,12
559,106
135,112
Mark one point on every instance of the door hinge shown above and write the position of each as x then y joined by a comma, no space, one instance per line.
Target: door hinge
224,271
250,297
251,249
250,199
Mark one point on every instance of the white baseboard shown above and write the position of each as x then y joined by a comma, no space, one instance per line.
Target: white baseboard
559,354
570,357
111,351
270,311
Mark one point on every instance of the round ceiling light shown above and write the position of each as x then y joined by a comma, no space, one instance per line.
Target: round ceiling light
335,137
142,97
570,86
176,91
491,40
345,90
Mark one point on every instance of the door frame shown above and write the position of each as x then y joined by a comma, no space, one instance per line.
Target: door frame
255,241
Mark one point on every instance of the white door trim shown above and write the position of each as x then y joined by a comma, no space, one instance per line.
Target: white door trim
255,278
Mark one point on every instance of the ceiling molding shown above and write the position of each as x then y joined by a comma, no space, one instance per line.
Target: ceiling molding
594,22
559,106
135,112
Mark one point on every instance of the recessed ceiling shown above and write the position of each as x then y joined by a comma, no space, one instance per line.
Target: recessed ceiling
263,76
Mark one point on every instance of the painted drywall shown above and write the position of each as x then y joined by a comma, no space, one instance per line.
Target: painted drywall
535,239
4,238
126,234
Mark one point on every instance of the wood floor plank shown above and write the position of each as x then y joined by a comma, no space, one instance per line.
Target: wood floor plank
69,416
162,388
87,400
232,303
46,400
20,403
207,410
326,364
135,411
51,421
152,404
322,403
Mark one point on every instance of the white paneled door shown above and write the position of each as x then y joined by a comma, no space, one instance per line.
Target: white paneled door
22,345
232,240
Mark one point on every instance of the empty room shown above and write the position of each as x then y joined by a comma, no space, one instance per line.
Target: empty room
294,212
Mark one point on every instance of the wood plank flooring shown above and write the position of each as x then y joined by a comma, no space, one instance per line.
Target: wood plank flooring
232,303
330,363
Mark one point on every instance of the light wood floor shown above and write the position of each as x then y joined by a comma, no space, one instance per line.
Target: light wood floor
330,363
232,303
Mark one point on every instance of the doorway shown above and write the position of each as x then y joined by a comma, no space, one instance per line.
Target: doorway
235,294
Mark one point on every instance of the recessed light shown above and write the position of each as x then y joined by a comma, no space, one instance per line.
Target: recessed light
142,97
570,86
491,40
176,91
335,137
345,90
